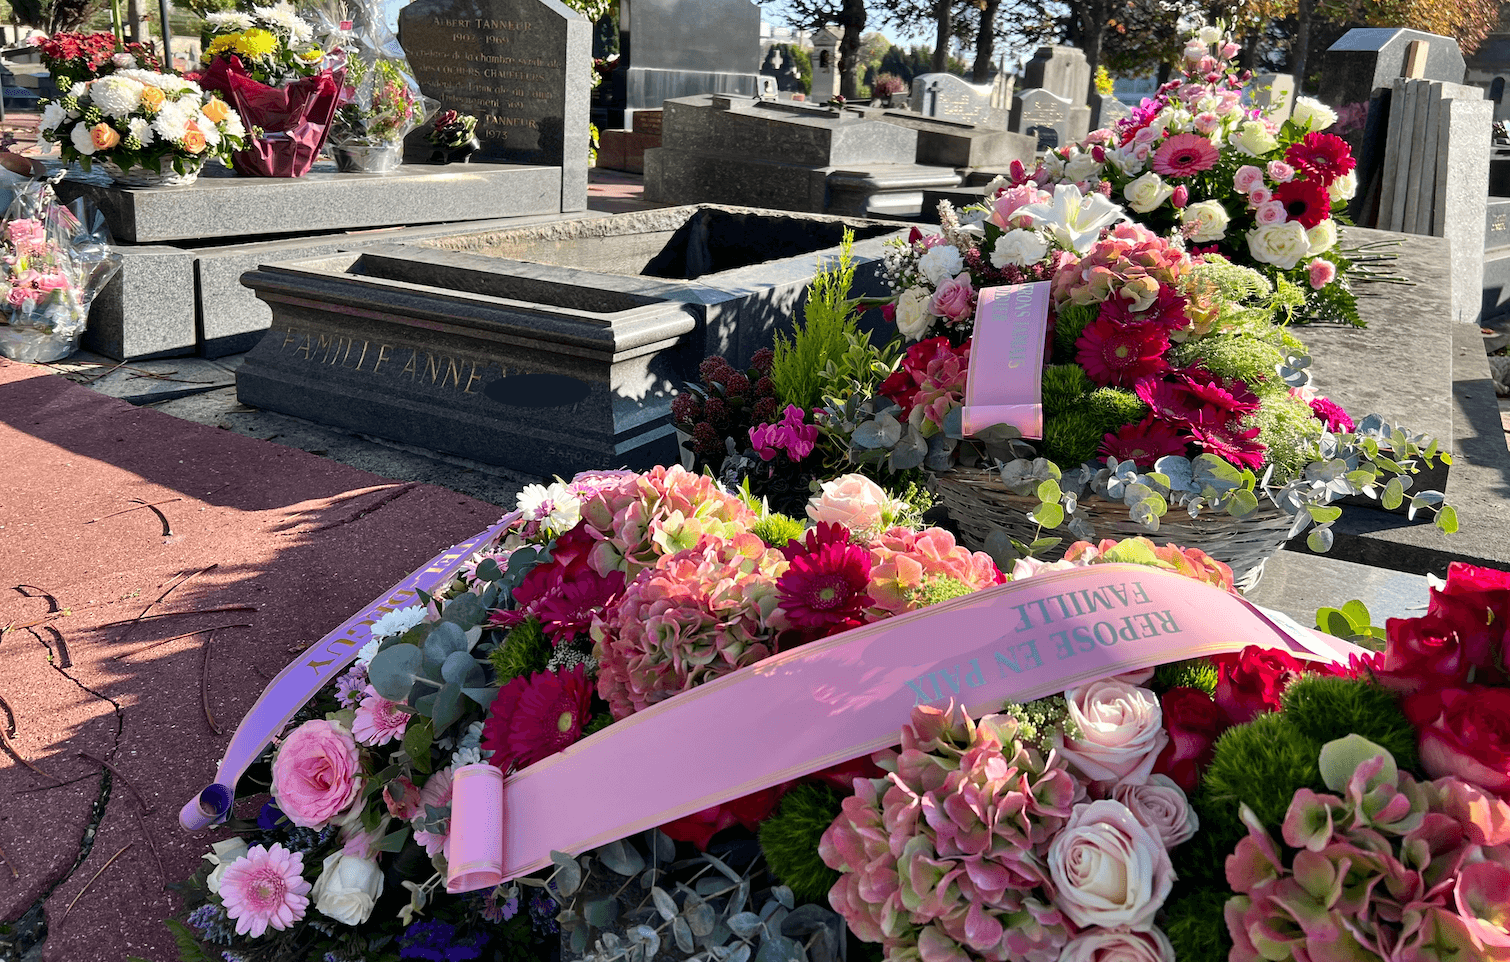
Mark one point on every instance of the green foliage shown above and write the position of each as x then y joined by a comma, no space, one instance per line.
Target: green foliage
1039,722
1195,926
1288,428
913,500
1075,426
525,651
825,334
1233,284
776,529
1063,387
1195,673
515,940
790,837
1325,709
1352,622
938,589
1241,356
1116,406
189,949
597,723
1072,437
1072,319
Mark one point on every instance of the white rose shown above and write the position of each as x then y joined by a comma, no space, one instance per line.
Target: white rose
221,855
1161,806
1282,245
1111,945
1342,188
1126,159
1322,237
1147,192
1108,869
912,315
1312,113
1121,731
347,888
1210,220
1081,167
81,140
1253,139
1019,247
940,262
1209,35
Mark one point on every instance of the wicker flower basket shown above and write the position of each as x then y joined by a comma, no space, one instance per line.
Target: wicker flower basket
978,502
162,176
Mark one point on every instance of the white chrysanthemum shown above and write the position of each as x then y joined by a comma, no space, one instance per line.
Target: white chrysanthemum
172,121
232,126
123,60
81,142
556,506
141,130
211,132
78,90
228,21
367,652
53,116
116,96
397,622
284,19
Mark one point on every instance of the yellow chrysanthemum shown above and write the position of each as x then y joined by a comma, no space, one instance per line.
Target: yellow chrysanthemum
312,54
221,45
256,43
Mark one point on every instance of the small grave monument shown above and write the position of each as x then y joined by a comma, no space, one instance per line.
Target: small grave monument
677,48
1062,71
1276,90
1106,110
947,97
826,63
519,66
1053,120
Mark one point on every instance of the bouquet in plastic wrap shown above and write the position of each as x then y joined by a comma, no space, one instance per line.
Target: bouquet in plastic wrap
54,259
381,101
267,64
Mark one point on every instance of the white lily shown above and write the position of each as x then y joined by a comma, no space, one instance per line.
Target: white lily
1074,219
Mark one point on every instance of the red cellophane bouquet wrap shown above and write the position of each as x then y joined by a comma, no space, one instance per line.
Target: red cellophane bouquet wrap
294,118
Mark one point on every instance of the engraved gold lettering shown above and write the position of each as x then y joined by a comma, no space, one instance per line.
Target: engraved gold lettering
474,377
382,356
453,372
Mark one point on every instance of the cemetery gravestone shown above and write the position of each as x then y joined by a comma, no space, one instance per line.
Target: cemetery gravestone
677,48
1276,90
1055,121
947,97
520,66
1106,110
1062,71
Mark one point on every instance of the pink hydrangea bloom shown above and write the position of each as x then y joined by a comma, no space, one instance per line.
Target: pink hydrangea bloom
1131,261
265,889
639,518
378,721
904,562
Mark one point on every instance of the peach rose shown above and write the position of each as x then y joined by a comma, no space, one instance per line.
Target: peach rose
317,774
152,98
103,136
852,500
1121,731
193,139
216,110
1108,869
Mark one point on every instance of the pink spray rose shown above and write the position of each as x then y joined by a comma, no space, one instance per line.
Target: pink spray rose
1160,805
1322,272
955,299
1121,731
1108,869
317,774
1115,945
1248,179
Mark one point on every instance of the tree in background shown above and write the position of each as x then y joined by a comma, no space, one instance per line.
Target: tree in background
52,16
802,60
849,15
947,20
916,60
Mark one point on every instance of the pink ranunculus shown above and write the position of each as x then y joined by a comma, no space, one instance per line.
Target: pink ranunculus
852,500
317,774
1161,806
1271,212
1108,870
1116,945
955,299
1247,179
1121,731
1322,273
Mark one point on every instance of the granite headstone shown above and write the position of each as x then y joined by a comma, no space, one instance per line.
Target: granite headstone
1274,93
947,97
521,67
1106,110
1062,71
678,48
1054,120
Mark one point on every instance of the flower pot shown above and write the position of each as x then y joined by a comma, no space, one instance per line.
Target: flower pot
456,155
368,160
163,175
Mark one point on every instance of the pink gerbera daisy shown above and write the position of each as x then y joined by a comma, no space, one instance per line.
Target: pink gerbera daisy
1229,395
1119,354
1144,443
265,887
1184,155
1235,446
826,585
379,721
1167,398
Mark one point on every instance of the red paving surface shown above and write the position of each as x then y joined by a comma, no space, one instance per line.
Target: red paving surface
305,540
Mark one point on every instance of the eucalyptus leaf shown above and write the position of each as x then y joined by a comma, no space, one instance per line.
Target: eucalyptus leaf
1447,519
447,709
601,913
664,903
579,939
392,672
662,845
780,949
741,953
783,894
722,867
700,918
745,924
488,570
568,874
393,841
621,858
1320,540
648,937
462,670
1047,515
682,933
446,638
482,696
910,451
1357,613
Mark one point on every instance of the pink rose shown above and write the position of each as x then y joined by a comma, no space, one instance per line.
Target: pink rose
1121,731
1260,197
1004,208
1161,807
317,774
1271,212
1322,272
1247,179
1206,122
955,299
1281,172
1107,869
852,500
1112,945
1465,733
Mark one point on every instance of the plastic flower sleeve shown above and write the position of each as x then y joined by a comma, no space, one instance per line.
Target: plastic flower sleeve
381,101
54,260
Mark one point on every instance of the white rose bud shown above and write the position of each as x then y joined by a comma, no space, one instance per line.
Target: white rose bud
1209,35
222,854
347,888
1312,114
1210,220
1343,188
1253,139
912,316
1282,245
1019,247
1147,192
1322,237
940,262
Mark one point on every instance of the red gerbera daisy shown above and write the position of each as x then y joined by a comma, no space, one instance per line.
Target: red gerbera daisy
1113,353
825,586
1236,446
567,611
536,717
1168,398
1184,155
1230,395
1144,443
1305,201
1321,156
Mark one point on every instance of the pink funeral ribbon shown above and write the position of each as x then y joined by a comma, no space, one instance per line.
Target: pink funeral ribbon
314,669
842,697
1004,384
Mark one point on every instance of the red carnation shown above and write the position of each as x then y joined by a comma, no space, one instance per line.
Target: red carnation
749,811
1322,156
1117,354
536,717
1331,414
1305,201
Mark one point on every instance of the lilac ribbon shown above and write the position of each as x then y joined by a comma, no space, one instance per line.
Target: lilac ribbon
1004,384
315,668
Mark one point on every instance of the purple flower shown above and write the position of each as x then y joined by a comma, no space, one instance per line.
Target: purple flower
436,941
790,434
270,817
351,686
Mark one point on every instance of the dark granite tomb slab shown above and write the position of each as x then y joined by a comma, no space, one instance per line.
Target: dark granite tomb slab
948,143
679,48
521,67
